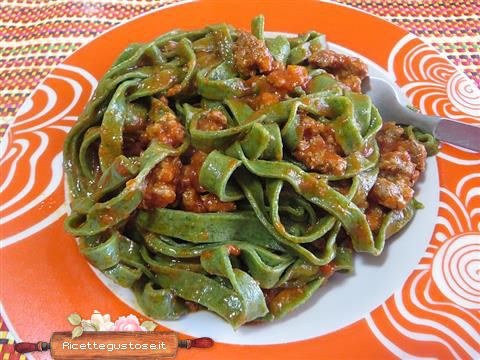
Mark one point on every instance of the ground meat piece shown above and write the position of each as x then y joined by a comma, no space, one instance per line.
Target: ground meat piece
374,214
213,120
265,99
194,196
276,86
190,172
263,93
417,153
260,84
397,165
191,201
318,148
391,194
163,99
234,250
251,55
288,79
347,69
350,82
310,128
167,130
262,99
392,138
161,184
315,156
201,203
174,90
140,130
389,136
401,162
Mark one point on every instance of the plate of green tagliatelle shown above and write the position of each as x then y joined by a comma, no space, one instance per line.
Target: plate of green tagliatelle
225,176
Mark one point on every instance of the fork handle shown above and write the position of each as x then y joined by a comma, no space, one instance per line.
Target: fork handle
457,133
446,130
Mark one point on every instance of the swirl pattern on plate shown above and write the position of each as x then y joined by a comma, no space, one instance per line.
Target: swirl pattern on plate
48,114
436,304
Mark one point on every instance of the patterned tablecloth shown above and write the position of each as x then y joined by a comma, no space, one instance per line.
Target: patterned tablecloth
36,35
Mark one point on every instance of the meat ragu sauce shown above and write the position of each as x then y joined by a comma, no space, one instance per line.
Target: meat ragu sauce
402,160
318,148
174,182
348,70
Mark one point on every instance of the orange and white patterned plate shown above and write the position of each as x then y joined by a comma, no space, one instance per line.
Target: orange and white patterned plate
431,309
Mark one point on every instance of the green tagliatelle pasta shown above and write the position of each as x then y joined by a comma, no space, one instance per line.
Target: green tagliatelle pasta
289,225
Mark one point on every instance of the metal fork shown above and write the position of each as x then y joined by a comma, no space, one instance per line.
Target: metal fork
388,101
